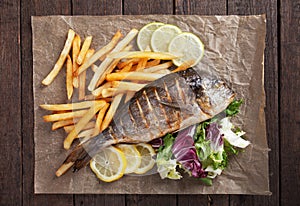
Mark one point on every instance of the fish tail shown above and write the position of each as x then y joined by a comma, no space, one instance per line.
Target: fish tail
83,153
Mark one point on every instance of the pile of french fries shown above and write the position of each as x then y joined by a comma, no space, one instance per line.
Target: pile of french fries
120,74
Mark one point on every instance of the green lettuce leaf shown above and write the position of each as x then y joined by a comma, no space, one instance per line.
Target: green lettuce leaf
234,107
166,166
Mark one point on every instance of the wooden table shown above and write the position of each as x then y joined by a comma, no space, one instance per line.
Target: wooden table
282,84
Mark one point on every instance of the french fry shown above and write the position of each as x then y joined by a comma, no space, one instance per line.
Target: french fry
99,120
82,76
142,54
129,47
163,71
110,92
158,67
142,64
59,112
97,92
64,116
62,123
63,168
81,124
103,57
121,87
129,95
71,106
62,58
94,67
89,125
127,68
86,134
102,69
184,66
69,77
128,61
92,97
140,76
81,86
152,63
130,86
111,111
75,52
85,47
109,69
100,53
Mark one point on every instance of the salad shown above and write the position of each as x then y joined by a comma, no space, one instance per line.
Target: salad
201,150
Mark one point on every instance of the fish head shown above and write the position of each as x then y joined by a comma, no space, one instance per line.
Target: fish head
213,95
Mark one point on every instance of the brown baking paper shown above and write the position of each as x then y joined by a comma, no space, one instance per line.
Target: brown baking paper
234,50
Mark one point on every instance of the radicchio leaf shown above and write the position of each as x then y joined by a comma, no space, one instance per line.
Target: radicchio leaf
156,143
185,152
213,134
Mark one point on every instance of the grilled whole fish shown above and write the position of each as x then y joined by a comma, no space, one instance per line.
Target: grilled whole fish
167,105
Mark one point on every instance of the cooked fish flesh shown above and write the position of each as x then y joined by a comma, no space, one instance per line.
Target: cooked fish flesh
167,105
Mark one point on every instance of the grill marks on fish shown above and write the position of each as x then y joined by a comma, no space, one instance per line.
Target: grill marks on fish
154,116
141,110
157,109
180,92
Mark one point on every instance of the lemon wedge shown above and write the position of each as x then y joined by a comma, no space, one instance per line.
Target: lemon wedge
132,156
162,36
109,164
145,34
147,162
188,47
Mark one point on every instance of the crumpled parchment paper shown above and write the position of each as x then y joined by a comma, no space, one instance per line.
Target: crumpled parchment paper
234,51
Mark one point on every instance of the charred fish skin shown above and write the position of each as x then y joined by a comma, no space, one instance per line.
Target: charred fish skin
171,103
213,95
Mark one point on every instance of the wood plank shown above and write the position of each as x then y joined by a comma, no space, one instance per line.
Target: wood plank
98,7
103,200
290,102
271,87
132,7
150,200
206,7
10,109
203,200
28,9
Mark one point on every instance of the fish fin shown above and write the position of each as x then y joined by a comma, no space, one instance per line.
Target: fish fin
176,106
171,104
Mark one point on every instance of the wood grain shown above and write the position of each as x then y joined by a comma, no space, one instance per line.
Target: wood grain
98,7
10,107
269,7
217,7
290,102
134,7
28,9
150,200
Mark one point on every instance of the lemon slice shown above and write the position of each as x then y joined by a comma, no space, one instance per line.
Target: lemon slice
132,156
188,47
147,152
162,36
144,36
109,164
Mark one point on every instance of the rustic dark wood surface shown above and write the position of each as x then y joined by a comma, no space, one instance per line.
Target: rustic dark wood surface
282,84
